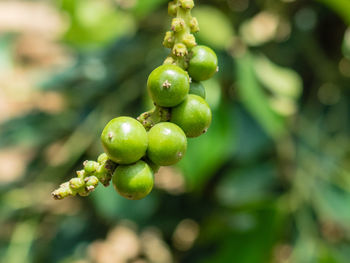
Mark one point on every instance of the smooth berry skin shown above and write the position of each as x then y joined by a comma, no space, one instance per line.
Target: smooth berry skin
203,63
167,144
193,116
168,85
134,181
197,88
125,140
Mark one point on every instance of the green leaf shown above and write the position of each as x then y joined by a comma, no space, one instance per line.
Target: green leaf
332,202
246,245
6,50
281,81
341,7
111,205
246,185
215,28
34,129
346,43
254,99
95,23
207,153
143,8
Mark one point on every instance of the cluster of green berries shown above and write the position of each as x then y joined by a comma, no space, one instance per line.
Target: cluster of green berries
139,152
138,147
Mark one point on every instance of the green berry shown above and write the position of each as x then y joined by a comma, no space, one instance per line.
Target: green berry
124,140
133,181
197,88
168,85
167,144
193,116
203,63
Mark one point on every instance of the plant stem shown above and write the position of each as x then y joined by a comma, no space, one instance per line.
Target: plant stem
180,39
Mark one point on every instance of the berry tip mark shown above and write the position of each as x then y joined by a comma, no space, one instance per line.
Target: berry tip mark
166,84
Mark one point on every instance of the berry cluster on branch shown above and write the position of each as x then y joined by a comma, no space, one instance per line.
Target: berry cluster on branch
136,148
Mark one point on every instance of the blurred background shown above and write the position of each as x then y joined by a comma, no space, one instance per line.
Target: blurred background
270,180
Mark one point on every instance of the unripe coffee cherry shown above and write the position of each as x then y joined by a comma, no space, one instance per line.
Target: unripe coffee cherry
197,88
203,63
168,85
193,116
167,144
124,140
133,181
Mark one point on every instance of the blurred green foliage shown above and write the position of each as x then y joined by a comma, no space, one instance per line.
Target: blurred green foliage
269,182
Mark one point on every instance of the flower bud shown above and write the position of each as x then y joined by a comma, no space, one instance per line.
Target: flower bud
168,39
81,173
189,40
180,50
187,4
172,8
76,183
177,24
63,191
91,181
169,61
102,158
194,25
84,192
90,166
